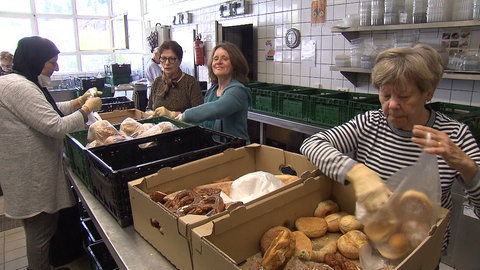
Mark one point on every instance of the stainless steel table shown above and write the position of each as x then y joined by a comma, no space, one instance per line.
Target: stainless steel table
127,247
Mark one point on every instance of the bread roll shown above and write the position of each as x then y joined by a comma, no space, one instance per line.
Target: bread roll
415,205
325,208
333,221
280,251
101,130
350,243
396,247
415,231
224,186
287,178
312,226
269,235
348,223
302,242
380,230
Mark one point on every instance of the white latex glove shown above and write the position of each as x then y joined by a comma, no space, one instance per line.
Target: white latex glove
179,117
162,111
371,191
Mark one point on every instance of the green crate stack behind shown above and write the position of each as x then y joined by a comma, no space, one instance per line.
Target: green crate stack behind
469,115
295,104
359,103
76,142
334,109
265,98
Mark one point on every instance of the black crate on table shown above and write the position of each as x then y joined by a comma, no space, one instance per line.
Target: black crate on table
76,142
295,104
100,257
110,104
265,97
93,236
118,70
469,115
113,166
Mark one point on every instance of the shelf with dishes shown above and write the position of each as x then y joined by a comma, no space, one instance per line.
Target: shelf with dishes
354,32
351,73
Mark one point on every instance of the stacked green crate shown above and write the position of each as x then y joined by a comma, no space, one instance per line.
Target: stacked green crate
359,103
265,98
469,115
295,104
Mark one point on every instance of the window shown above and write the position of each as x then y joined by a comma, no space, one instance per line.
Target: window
100,25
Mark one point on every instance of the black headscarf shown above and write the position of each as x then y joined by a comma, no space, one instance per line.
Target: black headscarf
29,59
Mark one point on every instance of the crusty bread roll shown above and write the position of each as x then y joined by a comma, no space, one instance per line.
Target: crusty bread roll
269,235
333,221
320,242
396,247
287,178
302,242
350,243
101,130
348,223
325,208
131,127
415,205
280,251
380,230
312,226
415,231
224,186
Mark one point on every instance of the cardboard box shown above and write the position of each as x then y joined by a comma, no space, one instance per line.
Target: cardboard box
226,242
174,238
117,116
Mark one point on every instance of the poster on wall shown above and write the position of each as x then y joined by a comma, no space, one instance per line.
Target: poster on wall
269,50
308,55
319,11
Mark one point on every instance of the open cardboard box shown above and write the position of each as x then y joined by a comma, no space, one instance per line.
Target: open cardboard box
117,116
173,240
227,241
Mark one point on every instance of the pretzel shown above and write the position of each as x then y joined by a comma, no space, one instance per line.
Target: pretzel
183,198
210,205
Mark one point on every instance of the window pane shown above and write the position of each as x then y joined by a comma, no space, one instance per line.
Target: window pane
95,62
60,31
14,29
132,7
135,36
118,26
22,6
67,63
94,34
53,6
135,60
92,7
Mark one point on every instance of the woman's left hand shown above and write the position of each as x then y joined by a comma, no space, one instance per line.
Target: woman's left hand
440,144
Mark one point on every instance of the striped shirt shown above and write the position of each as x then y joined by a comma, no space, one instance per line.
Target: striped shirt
385,149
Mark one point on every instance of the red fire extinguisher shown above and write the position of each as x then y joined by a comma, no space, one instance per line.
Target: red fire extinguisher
199,51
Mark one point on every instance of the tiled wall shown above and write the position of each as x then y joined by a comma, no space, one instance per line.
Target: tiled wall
272,18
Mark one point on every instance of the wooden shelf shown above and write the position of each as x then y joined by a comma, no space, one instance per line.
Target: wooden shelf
351,73
354,32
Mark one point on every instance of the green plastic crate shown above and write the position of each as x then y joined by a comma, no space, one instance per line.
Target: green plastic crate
265,99
469,115
359,103
295,104
116,80
75,148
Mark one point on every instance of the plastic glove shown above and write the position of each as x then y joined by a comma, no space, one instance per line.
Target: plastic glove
88,94
162,111
179,117
370,190
92,105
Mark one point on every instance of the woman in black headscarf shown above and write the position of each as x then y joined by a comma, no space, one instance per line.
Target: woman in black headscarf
33,128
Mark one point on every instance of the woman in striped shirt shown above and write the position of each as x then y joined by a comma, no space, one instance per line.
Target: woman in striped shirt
393,137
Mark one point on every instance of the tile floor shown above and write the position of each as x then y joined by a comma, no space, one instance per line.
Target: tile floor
13,250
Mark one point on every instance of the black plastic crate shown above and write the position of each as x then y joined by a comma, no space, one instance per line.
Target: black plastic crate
76,142
118,70
93,236
113,166
99,83
116,103
100,257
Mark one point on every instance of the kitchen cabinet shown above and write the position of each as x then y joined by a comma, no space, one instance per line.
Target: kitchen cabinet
352,73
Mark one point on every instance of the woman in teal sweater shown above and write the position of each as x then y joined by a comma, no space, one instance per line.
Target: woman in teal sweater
226,102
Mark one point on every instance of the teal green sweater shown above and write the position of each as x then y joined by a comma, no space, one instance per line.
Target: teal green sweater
227,113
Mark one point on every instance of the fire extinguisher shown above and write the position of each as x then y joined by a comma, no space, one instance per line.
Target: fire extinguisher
199,51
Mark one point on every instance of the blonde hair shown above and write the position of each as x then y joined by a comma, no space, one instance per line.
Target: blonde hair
421,65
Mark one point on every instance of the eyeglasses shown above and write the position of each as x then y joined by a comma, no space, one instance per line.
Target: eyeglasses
171,60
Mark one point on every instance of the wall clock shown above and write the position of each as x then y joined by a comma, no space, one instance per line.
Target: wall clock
292,38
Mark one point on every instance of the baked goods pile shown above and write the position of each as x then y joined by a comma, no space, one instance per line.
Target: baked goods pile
404,223
207,199
103,132
330,239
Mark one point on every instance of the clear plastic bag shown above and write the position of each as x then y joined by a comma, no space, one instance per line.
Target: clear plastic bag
405,221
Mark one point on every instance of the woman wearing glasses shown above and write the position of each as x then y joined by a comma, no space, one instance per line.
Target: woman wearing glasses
174,90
